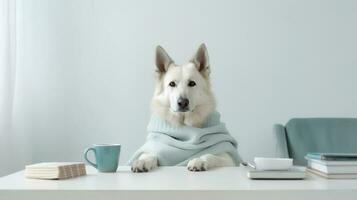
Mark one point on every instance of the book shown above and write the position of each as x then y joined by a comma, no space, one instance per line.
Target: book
333,156
332,176
55,170
295,172
332,162
325,168
332,165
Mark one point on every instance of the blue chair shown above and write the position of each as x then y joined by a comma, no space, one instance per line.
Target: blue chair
302,135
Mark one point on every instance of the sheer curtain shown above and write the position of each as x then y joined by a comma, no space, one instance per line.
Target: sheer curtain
7,80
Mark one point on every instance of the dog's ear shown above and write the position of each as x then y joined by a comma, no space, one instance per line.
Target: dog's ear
163,60
200,59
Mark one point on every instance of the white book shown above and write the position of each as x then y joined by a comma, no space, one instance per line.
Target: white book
332,162
333,169
333,176
55,170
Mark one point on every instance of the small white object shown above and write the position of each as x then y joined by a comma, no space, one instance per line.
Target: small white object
295,172
273,163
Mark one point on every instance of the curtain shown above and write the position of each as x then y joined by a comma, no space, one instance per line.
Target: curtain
7,80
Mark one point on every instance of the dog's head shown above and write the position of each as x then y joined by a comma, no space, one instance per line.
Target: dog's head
183,90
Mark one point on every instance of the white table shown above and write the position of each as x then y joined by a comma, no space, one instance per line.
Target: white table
174,183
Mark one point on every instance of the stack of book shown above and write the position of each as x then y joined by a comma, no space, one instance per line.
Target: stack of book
55,170
333,165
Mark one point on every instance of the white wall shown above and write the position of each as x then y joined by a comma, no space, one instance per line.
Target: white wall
85,68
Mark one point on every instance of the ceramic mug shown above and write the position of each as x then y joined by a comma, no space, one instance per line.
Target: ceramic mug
106,157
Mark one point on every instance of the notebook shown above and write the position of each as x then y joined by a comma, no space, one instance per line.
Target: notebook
55,170
344,167
333,156
332,162
333,176
333,165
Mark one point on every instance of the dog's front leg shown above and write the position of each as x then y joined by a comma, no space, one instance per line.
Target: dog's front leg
208,161
144,163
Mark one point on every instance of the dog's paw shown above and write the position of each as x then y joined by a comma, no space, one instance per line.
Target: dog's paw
143,165
197,164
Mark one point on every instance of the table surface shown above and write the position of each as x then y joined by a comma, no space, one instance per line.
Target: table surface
173,178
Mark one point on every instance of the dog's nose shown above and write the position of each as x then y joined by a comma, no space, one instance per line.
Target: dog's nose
183,103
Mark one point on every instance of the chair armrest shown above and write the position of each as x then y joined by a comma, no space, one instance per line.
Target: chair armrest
281,147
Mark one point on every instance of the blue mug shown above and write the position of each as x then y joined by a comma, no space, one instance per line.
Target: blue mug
106,156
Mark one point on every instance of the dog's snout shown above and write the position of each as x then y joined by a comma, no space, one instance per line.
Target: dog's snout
183,103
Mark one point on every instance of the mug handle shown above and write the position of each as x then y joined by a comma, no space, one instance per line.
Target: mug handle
86,156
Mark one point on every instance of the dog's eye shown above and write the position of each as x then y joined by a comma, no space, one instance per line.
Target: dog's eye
172,84
191,83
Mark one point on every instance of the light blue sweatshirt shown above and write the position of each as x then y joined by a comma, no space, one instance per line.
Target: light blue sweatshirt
177,145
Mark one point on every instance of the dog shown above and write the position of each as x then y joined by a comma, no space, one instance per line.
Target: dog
183,96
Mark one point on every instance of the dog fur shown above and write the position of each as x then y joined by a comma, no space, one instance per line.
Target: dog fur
189,82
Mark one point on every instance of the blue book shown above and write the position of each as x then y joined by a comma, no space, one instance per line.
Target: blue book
333,156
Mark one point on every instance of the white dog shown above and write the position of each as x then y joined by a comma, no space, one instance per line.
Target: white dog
183,96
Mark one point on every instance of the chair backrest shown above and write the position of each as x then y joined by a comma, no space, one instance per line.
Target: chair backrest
333,135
